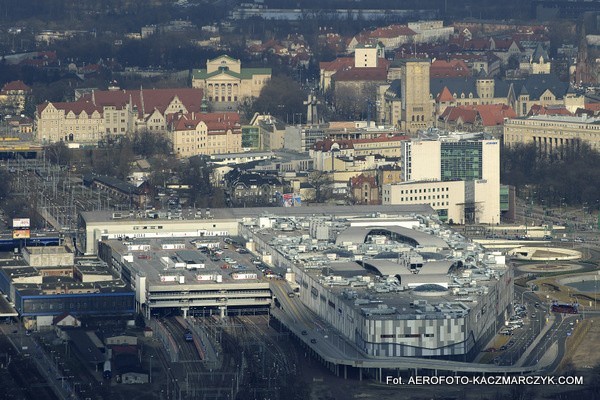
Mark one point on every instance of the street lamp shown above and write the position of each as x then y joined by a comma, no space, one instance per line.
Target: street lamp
595,292
523,294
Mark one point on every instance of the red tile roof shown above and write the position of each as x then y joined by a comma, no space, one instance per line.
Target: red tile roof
378,73
76,107
216,123
392,31
453,114
494,114
449,69
326,144
360,180
592,106
476,44
146,100
386,32
537,109
490,114
337,64
445,96
15,85
504,44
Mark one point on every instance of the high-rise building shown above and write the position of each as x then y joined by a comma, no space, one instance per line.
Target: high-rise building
460,179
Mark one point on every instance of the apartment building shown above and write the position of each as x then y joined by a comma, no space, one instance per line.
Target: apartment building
205,133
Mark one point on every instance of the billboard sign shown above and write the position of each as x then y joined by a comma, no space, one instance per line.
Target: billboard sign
21,223
289,199
21,234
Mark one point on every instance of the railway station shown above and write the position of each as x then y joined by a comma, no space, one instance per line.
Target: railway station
172,273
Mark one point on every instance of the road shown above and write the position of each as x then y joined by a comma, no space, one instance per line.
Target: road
26,347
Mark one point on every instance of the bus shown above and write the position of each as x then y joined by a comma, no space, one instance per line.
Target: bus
563,308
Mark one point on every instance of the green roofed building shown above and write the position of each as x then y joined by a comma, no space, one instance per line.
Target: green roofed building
225,81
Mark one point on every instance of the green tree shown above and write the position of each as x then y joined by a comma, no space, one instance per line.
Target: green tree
513,62
29,107
114,160
162,168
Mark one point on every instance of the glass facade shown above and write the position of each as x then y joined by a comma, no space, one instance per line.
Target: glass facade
118,303
251,137
443,214
461,161
504,198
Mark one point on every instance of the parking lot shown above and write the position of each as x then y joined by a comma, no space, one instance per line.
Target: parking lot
231,254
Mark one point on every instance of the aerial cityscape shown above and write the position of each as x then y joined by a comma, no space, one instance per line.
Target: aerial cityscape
303,200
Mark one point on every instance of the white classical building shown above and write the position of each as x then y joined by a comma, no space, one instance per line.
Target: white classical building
225,81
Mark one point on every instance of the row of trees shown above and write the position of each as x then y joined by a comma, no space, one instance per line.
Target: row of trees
115,158
570,175
112,158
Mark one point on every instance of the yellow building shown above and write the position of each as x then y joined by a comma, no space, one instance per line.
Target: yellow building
225,81
537,63
206,133
357,154
78,121
410,105
412,100
113,112
13,97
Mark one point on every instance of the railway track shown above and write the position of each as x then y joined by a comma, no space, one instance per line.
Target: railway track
197,379
188,352
280,356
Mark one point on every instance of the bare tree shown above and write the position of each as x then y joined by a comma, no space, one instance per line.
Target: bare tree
59,153
322,183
